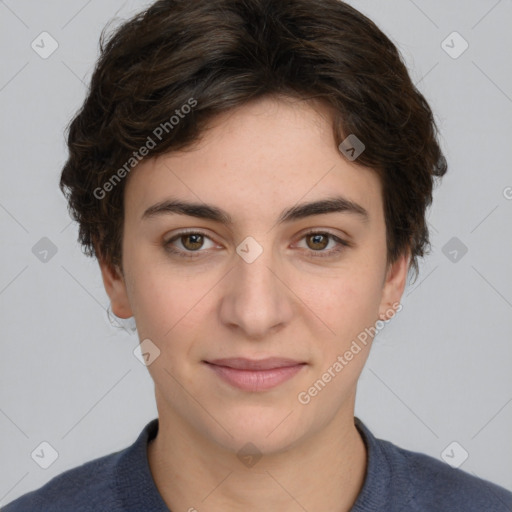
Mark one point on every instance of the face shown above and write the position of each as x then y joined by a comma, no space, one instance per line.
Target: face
276,281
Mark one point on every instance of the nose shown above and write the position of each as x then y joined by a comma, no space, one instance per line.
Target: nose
256,299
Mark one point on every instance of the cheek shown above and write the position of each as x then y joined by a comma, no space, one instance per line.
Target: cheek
337,305
159,305
168,304
347,301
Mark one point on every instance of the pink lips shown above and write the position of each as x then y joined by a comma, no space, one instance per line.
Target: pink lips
253,374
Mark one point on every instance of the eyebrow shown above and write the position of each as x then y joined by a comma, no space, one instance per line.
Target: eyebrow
338,204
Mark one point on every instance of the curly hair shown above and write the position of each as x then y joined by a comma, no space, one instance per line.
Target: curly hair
222,54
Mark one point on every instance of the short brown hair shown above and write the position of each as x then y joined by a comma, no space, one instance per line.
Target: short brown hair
225,53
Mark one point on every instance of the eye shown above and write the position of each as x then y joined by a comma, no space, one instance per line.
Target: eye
317,241
191,242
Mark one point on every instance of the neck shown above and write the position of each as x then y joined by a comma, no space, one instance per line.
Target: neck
323,472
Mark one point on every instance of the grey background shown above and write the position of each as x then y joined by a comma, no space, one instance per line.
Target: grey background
438,373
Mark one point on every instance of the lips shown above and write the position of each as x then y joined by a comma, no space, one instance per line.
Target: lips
255,375
241,363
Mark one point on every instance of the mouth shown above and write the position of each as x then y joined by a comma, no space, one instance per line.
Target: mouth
241,363
253,374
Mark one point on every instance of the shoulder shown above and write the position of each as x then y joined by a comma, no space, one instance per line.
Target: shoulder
401,480
84,488
431,484
116,482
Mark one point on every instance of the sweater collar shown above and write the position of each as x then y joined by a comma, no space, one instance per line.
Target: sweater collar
374,494
137,489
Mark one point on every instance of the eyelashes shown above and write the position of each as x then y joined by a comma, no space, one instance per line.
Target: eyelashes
169,245
341,244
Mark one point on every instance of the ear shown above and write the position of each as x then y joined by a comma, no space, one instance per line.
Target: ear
394,284
115,286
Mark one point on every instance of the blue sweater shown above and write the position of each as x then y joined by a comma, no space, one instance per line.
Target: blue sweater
396,480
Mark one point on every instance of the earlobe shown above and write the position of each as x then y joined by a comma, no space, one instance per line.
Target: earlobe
394,286
115,286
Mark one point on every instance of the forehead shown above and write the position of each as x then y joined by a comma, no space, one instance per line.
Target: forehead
256,161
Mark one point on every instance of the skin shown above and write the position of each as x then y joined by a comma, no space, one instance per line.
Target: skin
254,162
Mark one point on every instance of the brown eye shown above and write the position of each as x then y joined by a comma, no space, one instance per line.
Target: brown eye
317,241
188,244
192,241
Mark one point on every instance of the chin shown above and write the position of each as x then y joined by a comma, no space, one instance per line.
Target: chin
270,431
